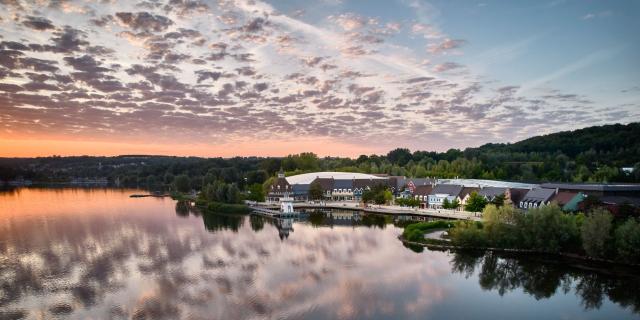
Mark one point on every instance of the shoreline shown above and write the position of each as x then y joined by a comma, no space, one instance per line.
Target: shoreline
518,251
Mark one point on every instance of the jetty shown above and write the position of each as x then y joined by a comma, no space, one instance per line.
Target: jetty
273,213
375,209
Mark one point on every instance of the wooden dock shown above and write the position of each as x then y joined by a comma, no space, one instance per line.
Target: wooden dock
432,213
271,213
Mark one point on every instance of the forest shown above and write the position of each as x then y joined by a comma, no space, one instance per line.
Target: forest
594,154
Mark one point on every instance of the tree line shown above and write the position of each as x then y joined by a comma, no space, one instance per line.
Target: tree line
596,154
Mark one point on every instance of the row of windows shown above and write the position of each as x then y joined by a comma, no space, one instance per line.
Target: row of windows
529,205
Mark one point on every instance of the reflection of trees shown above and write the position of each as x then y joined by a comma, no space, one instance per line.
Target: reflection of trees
182,208
257,223
374,220
217,222
466,263
318,219
542,279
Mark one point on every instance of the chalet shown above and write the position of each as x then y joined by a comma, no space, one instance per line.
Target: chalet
464,195
326,184
411,184
513,196
441,192
342,190
362,185
536,198
421,193
568,200
491,193
280,189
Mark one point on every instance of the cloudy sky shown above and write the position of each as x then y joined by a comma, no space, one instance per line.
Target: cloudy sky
336,77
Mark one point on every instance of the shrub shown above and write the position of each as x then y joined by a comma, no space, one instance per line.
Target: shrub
628,241
596,233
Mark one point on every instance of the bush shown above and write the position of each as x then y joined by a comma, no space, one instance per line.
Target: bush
469,234
227,208
596,233
416,231
548,229
628,241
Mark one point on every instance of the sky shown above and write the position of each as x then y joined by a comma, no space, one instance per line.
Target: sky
334,77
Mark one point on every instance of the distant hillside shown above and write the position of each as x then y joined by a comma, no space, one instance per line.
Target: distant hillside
595,154
616,144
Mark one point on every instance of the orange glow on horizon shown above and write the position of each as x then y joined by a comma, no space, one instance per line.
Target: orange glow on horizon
48,147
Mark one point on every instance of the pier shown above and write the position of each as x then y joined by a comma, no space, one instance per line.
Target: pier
264,207
272,213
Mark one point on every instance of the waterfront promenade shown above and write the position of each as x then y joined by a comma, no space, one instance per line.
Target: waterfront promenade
380,209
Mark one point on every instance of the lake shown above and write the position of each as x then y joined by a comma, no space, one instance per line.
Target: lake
96,253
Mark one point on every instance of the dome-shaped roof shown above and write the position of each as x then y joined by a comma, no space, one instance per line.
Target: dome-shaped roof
307,178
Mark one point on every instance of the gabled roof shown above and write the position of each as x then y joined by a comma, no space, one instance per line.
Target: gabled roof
300,188
282,183
563,197
491,192
309,177
423,190
325,183
450,189
594,186
517,194
419,181
466,191
362,183
342,183
539,195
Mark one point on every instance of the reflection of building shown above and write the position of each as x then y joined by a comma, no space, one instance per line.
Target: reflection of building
284,226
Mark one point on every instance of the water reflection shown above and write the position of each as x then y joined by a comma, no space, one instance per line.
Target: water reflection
98,254
544,277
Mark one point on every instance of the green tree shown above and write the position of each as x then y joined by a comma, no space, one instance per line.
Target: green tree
256,193
232,194
182,183
596,233
476,203
547,228
315,191
446,204
627,242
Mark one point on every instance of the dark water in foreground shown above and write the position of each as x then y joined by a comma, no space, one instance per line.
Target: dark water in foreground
78,254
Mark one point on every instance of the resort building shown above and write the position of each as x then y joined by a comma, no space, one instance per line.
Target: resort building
464,195
335,186
441,192
422,194
280,189
491,193
568,200
598,189
536,198
431,193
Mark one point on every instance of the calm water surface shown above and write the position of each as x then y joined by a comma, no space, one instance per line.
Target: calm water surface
98,254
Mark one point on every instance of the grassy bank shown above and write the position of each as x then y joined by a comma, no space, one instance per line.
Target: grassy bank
220,207
212,206
595,236
415,232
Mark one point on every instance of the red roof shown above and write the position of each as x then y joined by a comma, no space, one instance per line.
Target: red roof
563,197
